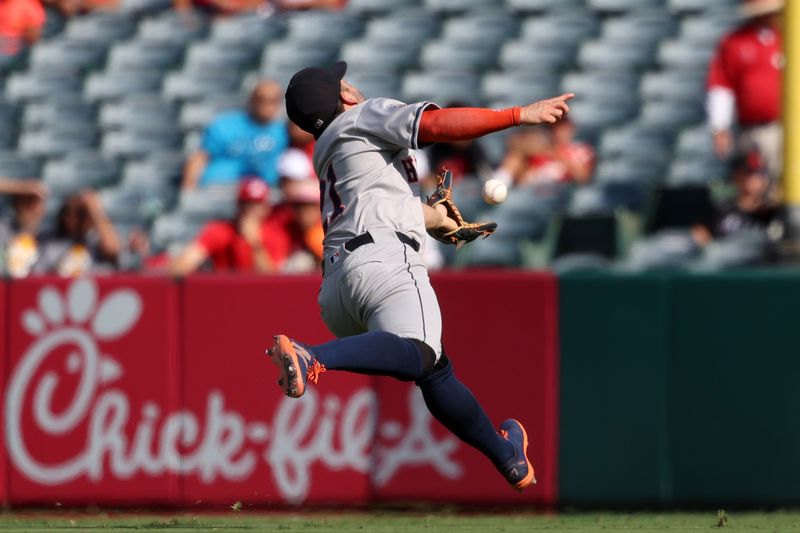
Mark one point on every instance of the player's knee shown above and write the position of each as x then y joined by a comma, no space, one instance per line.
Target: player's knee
437,372
428,357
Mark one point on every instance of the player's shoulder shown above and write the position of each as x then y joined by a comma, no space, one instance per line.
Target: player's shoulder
743,33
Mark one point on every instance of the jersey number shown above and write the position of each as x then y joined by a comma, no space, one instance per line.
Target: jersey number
336,200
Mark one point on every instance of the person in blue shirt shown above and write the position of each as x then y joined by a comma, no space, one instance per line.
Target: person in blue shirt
241,143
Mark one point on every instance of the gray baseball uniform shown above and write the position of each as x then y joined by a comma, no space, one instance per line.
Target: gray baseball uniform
369,183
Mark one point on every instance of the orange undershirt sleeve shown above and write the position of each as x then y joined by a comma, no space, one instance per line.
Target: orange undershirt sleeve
461,124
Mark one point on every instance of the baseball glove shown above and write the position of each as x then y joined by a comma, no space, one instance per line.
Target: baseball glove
466,231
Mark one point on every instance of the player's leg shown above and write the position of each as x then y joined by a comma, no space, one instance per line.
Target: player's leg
348,299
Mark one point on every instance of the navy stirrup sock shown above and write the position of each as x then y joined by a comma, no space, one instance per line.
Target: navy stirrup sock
376,353
452,404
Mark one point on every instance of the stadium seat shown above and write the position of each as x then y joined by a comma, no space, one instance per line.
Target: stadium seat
53,114
403,27
158,172
707,29
197,115
440,87
519,86
62,53
248,30
288,55
142,55
173,231
562,28
631,169
79,170
144,7
674,86
189,85
138,112
366,55
524,55
694,142
40,85
701,170
133,143
639,28
217,202
213,56
373,84
451,6
687,6
173,27
597,115
684,54
494,252
634,139
113,84
322,28
457,57
600,86
57,141
103,28
371,7
671,117
15,165
545,5
488,28
622,6
605,55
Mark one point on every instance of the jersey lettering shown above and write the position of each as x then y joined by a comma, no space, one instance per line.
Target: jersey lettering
411,169
336,200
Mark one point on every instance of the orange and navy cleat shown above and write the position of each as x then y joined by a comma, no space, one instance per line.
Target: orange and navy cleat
297,365
518,470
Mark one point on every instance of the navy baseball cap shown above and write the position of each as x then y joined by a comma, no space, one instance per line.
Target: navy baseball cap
312,97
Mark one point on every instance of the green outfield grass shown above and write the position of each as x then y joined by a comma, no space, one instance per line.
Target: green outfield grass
446,522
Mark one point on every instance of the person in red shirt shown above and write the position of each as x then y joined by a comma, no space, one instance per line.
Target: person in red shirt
21,23
744,80
251,242
539,156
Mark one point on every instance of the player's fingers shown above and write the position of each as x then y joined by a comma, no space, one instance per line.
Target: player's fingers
564,97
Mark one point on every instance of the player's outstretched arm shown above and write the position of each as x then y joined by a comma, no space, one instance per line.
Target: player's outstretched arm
461,124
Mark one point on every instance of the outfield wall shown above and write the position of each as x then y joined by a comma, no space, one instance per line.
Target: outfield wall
680,389
142,391
662,389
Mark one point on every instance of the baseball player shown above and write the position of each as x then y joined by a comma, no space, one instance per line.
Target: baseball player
376,296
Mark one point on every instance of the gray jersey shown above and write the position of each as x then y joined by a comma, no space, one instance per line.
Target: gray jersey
368,177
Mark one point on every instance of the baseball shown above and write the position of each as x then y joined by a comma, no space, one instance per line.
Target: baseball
494,192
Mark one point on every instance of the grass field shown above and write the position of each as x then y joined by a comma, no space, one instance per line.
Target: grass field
390,521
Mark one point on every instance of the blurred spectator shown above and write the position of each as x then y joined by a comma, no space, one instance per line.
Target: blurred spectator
19,248
296,163
299,214
70,8
251,242
84,240
241,143
752,207
547,155
21,23
462,158
745,80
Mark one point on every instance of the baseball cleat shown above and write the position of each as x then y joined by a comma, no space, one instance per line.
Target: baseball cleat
296,364
518,470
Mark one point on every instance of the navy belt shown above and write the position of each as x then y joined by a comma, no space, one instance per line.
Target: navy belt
365,238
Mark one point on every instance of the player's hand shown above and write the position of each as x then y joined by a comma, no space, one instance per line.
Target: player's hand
250,229
547,111
723,143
